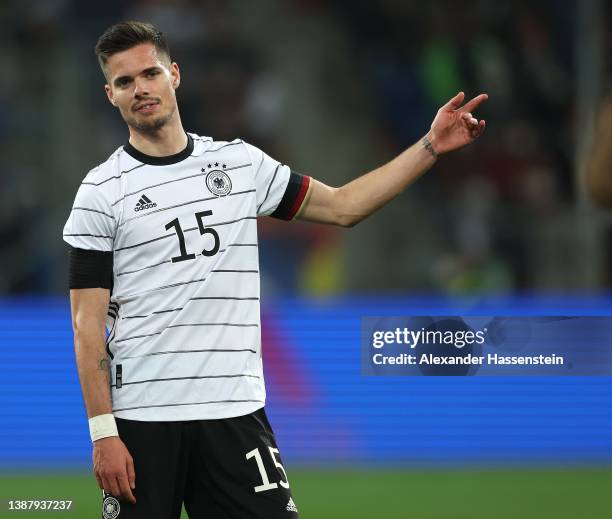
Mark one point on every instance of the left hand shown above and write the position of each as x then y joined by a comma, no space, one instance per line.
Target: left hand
454,125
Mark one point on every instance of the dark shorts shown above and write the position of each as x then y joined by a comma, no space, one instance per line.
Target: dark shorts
227,468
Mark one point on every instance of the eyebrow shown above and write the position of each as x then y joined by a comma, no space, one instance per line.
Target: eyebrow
117,81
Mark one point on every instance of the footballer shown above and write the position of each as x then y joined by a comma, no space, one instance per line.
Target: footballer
165,291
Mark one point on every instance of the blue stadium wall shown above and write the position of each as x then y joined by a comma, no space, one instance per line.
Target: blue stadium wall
323,410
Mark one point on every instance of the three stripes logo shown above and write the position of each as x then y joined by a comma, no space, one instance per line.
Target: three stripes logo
291,506
144,203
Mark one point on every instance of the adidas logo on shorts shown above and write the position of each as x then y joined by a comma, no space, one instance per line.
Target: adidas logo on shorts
144,203
291,506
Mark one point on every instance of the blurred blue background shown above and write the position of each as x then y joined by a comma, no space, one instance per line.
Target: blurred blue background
324,411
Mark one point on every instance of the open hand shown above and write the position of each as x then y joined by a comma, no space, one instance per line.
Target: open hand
454,125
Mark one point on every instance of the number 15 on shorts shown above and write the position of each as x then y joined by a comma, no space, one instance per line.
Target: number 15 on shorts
265,480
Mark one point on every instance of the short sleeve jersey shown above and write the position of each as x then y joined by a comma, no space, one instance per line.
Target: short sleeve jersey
184,317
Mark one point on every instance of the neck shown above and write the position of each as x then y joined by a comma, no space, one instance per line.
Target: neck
168,140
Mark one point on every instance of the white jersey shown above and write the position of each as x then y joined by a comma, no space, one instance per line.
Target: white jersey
184,317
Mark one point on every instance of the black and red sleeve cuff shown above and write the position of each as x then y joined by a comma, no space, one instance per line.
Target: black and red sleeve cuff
90,269
293,198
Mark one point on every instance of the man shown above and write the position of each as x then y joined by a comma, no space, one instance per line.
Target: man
163,243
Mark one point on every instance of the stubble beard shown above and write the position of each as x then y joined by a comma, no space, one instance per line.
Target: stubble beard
150,126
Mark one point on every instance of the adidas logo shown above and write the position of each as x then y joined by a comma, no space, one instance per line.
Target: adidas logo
144,203
291,506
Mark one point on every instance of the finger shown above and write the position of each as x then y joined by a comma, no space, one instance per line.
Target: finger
477,130
131,473
110,485
470,119
124,489
455,102
471,105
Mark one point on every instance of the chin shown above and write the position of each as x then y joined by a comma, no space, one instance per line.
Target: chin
147,125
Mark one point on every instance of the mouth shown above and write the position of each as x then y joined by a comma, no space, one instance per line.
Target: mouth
146,107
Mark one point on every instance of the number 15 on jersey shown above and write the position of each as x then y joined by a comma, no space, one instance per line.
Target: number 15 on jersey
184,256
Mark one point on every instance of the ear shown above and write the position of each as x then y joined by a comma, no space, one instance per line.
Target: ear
109,95
175,75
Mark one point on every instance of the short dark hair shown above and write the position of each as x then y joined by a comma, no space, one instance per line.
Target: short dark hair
125,35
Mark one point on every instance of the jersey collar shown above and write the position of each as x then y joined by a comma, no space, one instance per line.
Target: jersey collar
160,161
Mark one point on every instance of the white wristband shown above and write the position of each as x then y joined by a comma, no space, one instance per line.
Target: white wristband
102,426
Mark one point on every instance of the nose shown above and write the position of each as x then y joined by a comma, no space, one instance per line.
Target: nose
140,87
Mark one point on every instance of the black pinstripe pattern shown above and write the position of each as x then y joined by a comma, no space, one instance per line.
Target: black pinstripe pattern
110,178
269,187
87,234
207,350
173,235
93,211
212,298
152,380
143,268
181,205
217,149
238,271
172,181
187,325
187,403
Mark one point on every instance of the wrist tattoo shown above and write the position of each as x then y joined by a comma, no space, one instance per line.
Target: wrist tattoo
427,145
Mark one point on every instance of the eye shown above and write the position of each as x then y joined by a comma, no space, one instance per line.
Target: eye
152,73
